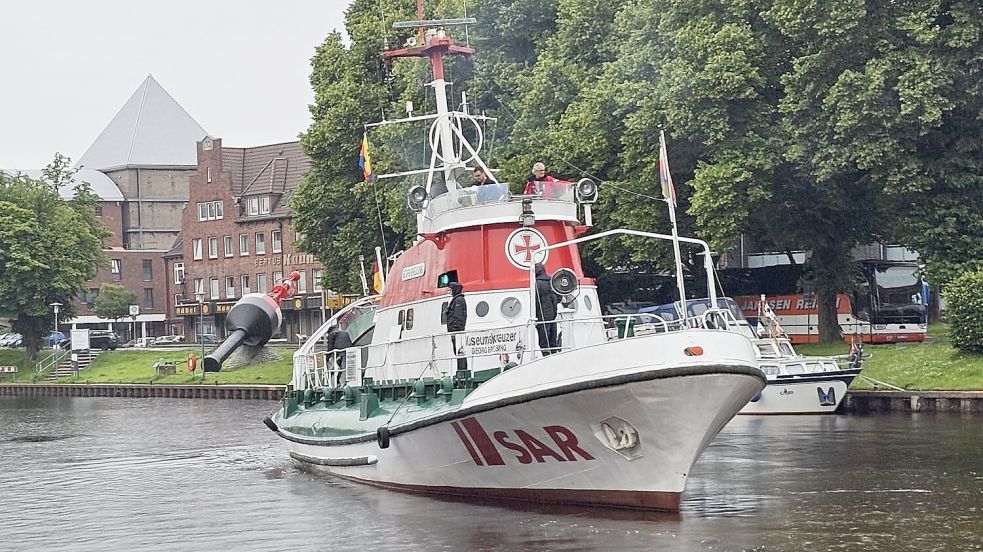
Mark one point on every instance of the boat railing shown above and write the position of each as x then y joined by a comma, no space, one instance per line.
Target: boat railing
497,193
501,347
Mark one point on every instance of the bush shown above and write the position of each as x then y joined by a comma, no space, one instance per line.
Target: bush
964,308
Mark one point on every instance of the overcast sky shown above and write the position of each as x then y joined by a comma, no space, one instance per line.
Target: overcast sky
239,67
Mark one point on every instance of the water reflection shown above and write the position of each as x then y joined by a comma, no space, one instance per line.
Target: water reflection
108,474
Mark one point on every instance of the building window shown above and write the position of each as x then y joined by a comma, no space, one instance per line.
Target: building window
208,174
199,286
230,287
316,279
196,249
264,205
178,273
243,245
213,288
89,296
98,210
210,210
178,299
117,269
148,270
261,283
148,298
277,240
260,243
228,246
302,283
277,278
246,290
252,206
212,248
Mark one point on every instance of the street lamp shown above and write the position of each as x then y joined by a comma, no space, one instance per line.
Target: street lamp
55,306
200,296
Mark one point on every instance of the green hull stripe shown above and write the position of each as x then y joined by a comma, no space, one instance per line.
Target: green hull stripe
662,373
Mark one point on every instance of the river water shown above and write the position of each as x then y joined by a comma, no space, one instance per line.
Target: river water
157,474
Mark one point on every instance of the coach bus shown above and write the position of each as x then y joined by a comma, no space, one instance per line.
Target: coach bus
889,305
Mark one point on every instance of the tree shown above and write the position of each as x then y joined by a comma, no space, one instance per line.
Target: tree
49,248
113,302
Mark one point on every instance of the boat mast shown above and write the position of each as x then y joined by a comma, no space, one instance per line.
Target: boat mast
433,43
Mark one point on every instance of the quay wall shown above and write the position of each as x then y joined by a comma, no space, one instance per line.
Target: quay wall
140,391
858,402
861,402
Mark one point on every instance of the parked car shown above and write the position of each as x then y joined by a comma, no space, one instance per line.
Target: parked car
5,338
98,339
54,338
209,338
12,340
142,342
168,339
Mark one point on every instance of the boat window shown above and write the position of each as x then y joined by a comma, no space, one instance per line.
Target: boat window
409,319
813,367
401,317
794,369
787,349
446,278
831,366
766,350
481,309
587,303
769,369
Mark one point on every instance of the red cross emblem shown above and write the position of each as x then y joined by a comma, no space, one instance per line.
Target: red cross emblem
522,244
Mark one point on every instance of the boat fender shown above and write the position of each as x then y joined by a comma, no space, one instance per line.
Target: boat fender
271,424
382,437
757,397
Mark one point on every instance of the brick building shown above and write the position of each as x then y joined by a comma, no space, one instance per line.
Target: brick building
140,165
237,238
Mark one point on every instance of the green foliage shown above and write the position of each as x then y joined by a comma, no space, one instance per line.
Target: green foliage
113,301
135,366
49,248
964,307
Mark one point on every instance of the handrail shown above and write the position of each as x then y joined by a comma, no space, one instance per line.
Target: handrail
52,360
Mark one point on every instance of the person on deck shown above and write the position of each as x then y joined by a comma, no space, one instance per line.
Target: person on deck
457,318
546,302
538,175
480,178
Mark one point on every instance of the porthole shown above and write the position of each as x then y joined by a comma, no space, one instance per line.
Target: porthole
587,304
511,307
481,309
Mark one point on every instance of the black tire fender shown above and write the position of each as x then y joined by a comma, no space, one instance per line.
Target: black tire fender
382,437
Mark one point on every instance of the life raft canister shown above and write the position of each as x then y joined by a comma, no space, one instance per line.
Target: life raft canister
192,362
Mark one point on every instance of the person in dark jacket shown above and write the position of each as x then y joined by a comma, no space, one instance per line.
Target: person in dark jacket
338,340
457,318
546,301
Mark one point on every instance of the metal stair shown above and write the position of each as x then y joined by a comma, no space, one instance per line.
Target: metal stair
64,368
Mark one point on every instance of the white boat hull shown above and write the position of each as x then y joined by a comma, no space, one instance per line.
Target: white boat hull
815,394
551,446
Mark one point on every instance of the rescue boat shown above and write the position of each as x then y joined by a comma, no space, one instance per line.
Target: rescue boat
600,417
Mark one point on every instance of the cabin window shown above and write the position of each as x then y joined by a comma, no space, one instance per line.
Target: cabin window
766,350
446,278
409,320
794,369
587,304
481,309
401,318
769,370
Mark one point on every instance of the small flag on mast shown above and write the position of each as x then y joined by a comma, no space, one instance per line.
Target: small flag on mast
376,277
668,190
364,161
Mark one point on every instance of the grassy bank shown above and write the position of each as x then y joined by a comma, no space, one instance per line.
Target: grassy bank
25,368
135,366
935,364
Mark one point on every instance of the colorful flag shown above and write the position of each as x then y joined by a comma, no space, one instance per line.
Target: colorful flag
376,277
668,190
364,161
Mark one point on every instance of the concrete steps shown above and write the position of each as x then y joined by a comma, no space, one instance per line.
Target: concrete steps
64,368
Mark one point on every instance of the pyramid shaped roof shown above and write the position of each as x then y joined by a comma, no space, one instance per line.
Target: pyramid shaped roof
151,129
